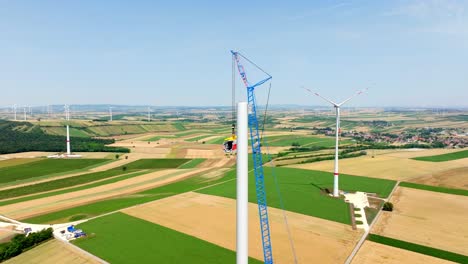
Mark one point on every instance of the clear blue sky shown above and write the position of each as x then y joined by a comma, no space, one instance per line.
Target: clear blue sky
410,53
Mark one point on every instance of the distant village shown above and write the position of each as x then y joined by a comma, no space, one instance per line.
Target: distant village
433,137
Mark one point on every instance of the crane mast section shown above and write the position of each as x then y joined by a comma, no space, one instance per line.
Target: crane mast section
257,161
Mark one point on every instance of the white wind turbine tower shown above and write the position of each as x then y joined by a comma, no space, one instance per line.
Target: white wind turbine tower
14,110
110,113
149,114
24,113
337,110
67,117
67,112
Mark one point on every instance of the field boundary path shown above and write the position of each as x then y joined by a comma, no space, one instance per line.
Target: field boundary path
366,233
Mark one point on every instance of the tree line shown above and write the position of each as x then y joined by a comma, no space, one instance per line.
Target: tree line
21,242
23,136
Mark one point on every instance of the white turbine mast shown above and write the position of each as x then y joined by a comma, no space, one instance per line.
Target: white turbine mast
337,133
14,110
67,112
24,113
149,114
110,113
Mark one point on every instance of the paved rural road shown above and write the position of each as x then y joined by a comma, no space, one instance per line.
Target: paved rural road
364,236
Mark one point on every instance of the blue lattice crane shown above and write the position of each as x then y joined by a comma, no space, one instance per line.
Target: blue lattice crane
257,155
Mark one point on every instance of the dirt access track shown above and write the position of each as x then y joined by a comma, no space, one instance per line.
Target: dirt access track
427,218
213,219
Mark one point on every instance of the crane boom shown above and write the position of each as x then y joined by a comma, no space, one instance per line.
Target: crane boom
257,159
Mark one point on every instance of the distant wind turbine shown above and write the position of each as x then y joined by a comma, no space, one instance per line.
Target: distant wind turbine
110,113
24,113
337,110
149,114
14,110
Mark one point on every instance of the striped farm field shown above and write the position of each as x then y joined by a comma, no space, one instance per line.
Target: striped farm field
104,206
46,167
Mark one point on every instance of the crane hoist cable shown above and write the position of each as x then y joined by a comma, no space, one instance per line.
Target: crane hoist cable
273,172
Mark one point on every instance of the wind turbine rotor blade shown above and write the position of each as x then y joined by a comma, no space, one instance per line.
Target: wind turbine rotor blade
317,94
356,94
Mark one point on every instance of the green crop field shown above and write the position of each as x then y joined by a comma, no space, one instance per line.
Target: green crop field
121,202
302,191
120,238
62,131
156,138
154,164
445,157
44,167
197,138
434,188
191,164
434,252
14,162
218,140
303,141
179,126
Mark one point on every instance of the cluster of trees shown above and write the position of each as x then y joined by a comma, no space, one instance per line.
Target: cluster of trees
23,136
22,242
340,156
388,206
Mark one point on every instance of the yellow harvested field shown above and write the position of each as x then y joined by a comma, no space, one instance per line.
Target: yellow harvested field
389,165
413,153
212,218
218,163
454,178
56,252
427,218
204,153
59,202
375,253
